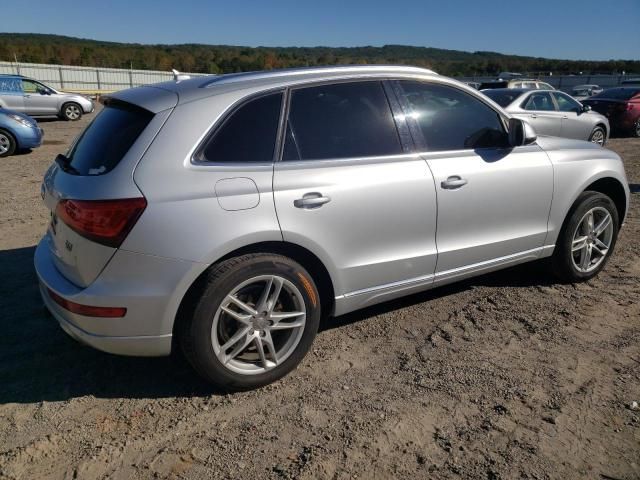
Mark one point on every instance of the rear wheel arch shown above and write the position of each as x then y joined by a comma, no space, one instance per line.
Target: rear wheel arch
303,256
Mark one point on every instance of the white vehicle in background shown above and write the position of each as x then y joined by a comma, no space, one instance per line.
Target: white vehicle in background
582,92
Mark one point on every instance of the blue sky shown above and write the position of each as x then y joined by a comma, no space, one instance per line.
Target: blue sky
574,29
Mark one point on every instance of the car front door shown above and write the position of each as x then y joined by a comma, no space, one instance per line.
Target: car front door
540,111
574,122
493,200
348,189
38,99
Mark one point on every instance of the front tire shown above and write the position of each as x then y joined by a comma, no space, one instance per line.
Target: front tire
598,136
250,321
7,144
587,239
71,112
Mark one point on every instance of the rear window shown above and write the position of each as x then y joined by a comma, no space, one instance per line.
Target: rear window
501,97
107,139
623,93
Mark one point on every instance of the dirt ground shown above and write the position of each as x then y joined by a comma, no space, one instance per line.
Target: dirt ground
509,375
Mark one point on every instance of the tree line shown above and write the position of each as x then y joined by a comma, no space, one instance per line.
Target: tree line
198,58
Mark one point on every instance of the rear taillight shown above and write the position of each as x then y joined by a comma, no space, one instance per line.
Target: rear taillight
630,106
103,221
87,310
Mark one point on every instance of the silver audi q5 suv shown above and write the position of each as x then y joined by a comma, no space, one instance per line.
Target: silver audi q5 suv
228,215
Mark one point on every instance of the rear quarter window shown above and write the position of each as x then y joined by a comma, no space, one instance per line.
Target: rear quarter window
108,138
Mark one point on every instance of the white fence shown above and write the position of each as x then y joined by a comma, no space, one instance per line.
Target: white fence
96,80
86,79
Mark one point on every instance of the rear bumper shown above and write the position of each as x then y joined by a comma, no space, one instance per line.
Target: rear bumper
150,288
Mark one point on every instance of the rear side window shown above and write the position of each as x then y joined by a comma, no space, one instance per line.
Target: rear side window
107,139
450,119
540,102
343,120
248,135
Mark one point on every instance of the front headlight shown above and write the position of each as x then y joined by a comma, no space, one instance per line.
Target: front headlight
21,120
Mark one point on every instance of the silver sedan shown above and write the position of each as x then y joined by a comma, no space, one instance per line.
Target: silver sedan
553,113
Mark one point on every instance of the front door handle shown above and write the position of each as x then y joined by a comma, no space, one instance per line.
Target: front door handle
311,200
533,115
453,182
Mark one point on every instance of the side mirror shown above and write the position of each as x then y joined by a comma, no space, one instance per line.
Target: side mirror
586,108
520,133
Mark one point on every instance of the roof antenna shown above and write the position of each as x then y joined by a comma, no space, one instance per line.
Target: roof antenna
177,76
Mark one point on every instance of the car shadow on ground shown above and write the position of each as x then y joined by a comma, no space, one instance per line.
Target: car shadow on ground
39,362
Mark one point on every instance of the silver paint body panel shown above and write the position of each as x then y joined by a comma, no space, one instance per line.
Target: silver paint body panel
389,228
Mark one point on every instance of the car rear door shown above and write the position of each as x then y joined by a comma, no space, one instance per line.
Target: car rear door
348,189
539,110
11,93
493,200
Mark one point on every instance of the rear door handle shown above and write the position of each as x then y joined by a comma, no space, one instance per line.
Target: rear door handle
453,182
311,200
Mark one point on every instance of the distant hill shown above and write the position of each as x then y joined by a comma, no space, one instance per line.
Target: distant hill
41,48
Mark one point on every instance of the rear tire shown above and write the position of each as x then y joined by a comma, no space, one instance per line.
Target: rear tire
598,136
250,321
71,111
587,239
8,144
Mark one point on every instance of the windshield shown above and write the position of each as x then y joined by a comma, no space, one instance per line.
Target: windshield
622,93
503,97
107,139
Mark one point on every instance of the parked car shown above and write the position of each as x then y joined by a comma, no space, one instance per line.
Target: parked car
475,85
621,105
229,215
32,97
582,92
528,83
553,113
17,132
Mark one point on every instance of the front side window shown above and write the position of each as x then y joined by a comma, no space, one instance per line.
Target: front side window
540,102
343,120
30,87
450,119
247,135
566,103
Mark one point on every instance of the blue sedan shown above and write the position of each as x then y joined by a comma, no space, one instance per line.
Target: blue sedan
17,132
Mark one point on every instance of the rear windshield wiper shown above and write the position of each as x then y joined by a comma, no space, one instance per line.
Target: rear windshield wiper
65,164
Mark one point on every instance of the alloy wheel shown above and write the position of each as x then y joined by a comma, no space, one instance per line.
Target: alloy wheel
592,240
258,325
72,112
598,137
5,144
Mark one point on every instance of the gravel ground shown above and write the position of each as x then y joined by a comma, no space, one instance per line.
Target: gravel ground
508,375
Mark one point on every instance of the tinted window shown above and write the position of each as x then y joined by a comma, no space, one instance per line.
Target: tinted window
503,97
248,135
340,121
539,101
107,139
566,103
449,119
622,93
